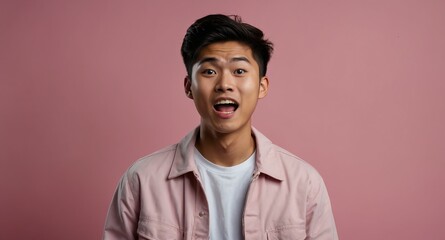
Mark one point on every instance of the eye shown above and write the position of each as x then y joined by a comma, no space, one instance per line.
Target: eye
209,72
240,71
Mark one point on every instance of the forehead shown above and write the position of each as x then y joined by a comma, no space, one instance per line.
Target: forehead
226,51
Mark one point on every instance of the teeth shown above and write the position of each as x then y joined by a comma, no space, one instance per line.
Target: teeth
225,101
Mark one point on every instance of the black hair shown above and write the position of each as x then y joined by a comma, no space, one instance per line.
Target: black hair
222,28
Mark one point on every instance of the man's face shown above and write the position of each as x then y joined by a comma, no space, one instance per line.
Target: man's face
225,86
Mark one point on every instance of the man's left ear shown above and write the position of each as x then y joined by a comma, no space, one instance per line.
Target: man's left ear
264,87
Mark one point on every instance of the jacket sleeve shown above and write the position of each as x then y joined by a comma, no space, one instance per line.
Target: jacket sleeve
123,214
320,224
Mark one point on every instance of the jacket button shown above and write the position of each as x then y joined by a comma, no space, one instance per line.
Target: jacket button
202,214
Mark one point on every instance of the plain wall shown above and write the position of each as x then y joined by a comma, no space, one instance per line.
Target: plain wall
88,87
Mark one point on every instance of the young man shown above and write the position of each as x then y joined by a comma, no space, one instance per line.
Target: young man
224,180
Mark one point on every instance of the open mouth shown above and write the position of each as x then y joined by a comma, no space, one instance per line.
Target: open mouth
225,106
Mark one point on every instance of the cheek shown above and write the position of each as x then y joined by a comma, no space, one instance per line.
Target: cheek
196,93
251,87
201,92
201,86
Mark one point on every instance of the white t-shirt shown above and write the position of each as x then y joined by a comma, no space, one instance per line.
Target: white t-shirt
225,189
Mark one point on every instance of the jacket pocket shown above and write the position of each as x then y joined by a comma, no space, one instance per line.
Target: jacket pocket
155,230
294,232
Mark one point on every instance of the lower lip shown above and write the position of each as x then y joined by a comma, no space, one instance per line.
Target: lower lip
224,115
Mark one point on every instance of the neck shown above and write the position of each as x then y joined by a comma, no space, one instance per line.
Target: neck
226,149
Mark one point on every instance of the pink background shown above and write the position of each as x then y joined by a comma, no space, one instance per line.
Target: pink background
357,89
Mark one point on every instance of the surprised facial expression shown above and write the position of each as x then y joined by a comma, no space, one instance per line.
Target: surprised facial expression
225,86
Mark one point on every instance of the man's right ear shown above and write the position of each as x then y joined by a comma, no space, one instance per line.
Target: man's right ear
188,87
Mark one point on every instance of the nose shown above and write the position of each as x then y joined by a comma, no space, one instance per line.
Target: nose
225,83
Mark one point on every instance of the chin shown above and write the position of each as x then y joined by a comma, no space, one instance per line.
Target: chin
229,127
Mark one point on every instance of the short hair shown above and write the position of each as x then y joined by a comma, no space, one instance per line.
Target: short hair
216,28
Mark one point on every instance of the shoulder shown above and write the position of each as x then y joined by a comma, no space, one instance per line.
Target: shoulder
282,164
295,166
157,163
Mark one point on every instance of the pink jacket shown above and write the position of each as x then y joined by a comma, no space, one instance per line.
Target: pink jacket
161,197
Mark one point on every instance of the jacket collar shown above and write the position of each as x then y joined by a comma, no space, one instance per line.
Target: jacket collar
267,159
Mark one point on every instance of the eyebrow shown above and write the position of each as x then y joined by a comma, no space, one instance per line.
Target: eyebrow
213,59
238,59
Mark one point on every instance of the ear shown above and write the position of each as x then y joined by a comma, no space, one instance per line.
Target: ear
264,87
188,87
